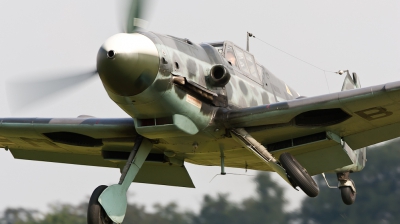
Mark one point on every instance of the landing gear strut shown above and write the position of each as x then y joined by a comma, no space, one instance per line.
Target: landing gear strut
108,204
299,175
347,188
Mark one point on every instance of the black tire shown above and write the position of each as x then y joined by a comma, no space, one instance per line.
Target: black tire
348,196
299,175
96,213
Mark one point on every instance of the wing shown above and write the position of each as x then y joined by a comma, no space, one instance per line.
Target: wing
85,141
76,141
359,117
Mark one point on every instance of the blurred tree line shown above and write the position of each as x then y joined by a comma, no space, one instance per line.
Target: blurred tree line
378,201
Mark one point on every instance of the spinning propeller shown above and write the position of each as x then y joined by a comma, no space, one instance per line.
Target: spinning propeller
26,92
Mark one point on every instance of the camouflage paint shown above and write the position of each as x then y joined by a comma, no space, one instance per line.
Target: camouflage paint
271,120
181,57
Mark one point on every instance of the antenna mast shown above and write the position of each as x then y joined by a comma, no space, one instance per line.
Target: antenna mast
249,35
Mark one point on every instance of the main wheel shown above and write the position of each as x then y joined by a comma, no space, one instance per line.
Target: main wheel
96,213
348,196
299,175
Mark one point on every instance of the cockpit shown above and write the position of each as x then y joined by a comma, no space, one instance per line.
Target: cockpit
240,59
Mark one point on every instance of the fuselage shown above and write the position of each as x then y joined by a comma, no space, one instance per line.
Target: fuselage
138,72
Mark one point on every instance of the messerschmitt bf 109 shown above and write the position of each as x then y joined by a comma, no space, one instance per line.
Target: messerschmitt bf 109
208,104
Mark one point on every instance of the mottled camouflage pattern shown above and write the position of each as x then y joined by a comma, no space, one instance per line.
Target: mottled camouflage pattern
194,62
260,107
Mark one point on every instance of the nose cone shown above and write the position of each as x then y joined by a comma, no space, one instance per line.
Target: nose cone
128,63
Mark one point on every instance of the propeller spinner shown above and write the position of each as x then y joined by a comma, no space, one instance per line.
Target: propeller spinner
128,63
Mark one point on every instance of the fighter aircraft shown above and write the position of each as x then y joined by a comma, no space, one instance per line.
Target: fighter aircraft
207,104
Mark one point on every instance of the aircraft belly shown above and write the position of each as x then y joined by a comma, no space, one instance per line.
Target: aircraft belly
236,158
204,149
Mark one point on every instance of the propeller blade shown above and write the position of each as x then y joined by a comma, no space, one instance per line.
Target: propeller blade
134,15
23,93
